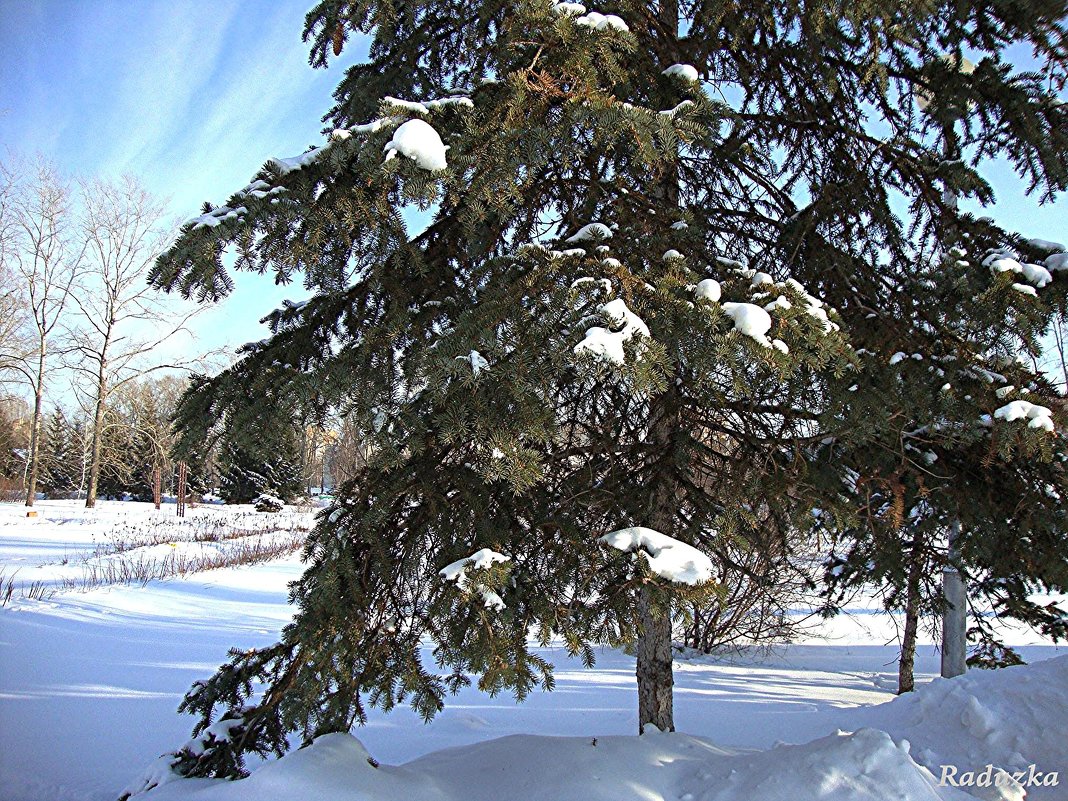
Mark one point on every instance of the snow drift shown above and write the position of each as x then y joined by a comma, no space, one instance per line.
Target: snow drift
1010,718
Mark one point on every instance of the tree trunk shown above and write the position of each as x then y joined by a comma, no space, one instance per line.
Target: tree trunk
97,446
655,678
34,458
654,668
955,619
906,679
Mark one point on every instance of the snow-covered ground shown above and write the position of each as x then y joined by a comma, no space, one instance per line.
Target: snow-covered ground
89,683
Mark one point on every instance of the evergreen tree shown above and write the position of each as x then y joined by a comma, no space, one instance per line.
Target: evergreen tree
605,324
117,450
953,448
61,457
259,448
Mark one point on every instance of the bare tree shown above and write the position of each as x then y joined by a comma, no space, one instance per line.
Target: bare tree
125,324
41,252
13,340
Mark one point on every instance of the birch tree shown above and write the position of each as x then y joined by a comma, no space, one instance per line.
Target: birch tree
126,330
43,252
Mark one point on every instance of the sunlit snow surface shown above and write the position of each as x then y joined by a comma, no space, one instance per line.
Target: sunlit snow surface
89,683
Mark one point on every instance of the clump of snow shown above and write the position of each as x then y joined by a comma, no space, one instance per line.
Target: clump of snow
407,105
606,344
751,320
477,361
569,9
671,255
1003,264
479,560
602,22
672,112
685,71
417,140
759,279
454,100
708,289
1039,416
681,225
667,557
374,126
1037,274
1057,262
1005,261
220,215
1045,244
813,306
285,166
1025,289
594,231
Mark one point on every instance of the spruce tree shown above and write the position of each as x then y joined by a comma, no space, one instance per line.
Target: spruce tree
258,447
962,440
61,458
612,319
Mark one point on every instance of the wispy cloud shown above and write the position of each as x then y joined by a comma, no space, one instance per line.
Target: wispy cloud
160,81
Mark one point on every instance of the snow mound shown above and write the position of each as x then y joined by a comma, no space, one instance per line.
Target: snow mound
1057,262
1012,719
601,22
667,557
708,289
866,766
1045,244
1037,274
418,141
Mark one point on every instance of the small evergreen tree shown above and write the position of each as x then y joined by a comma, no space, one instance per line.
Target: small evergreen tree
61,457
259,451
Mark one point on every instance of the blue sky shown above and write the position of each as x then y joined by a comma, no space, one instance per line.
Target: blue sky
193,96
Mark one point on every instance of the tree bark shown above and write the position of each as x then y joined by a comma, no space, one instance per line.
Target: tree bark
34,458
906,679
97,446
955,619
656,679
654,667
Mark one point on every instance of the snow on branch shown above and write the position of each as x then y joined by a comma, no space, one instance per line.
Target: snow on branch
666,556
479,560
606,344
418,141
1039,416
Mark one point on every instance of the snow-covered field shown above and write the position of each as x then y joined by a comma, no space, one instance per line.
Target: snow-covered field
90,679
